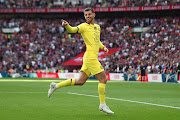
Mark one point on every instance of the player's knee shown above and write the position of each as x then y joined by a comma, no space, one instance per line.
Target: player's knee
103,81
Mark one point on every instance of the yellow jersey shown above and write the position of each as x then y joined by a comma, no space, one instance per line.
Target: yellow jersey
91,37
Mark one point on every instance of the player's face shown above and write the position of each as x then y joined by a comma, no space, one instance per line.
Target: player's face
89,16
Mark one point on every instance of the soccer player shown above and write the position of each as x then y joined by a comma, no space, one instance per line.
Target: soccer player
91,35
143,72
178,71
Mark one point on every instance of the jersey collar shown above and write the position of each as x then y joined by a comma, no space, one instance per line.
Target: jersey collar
89,23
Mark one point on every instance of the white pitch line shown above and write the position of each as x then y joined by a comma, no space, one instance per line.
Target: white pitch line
106,98
128,101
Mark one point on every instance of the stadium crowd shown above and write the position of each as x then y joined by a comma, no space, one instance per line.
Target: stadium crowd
82,3
44,44
134,3
158,50
39,44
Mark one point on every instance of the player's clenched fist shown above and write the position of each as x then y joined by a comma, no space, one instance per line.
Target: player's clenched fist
64,23
106,50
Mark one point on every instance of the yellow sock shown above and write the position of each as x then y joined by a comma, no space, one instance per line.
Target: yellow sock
101,90
69,82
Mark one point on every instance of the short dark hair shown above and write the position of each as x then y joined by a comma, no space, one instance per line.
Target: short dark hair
89,9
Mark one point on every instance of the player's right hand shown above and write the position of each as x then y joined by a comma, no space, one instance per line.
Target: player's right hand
64,23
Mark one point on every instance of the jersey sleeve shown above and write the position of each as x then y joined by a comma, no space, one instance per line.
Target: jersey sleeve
101,46
71,29
80,28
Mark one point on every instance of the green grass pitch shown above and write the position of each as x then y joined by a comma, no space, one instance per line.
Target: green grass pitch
26,99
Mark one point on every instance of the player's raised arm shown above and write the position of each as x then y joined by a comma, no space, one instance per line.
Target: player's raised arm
68,27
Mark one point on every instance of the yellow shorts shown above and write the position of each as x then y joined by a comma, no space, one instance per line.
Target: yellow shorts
91,67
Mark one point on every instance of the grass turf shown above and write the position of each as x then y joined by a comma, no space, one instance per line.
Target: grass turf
26,99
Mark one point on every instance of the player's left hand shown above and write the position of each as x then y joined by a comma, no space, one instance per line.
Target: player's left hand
106,50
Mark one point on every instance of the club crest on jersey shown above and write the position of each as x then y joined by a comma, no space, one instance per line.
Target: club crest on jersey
95,28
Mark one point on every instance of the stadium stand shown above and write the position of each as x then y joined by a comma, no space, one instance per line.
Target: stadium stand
38,45
25,3
159,49
43,44
83,3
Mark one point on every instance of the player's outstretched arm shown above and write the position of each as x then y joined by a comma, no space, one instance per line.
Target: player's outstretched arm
68,27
